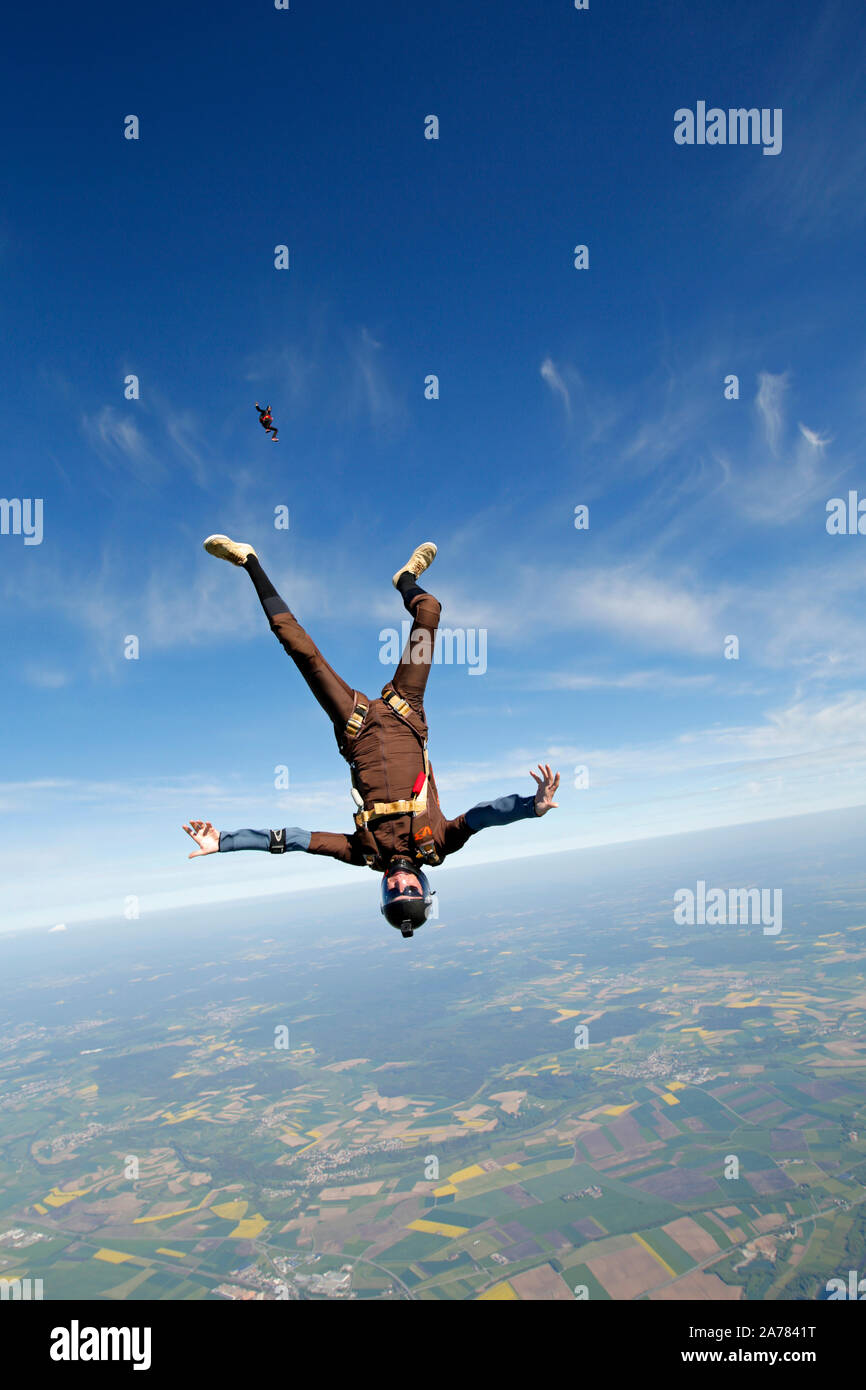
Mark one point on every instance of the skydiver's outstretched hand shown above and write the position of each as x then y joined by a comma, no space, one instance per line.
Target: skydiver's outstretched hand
546,786
207,839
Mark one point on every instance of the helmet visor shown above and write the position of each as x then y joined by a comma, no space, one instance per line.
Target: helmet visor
404,885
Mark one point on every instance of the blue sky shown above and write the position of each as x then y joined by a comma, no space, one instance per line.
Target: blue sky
558,387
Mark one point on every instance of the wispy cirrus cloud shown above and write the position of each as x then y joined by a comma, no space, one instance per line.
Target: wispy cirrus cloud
768,403
814,438
121,444
370,392
668,438
550,374
778,477
151,441
172,796
628,602
818,189
809,733
184,431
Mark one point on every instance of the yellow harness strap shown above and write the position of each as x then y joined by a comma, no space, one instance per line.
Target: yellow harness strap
408,807
356,719
416,806
384,808
396,702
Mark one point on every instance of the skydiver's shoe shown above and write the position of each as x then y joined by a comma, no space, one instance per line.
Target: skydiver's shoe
237,552
421,559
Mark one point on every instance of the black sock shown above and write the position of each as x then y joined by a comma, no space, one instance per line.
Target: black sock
409,588
268,596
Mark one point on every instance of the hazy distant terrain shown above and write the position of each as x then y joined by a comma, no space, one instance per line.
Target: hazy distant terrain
427,1126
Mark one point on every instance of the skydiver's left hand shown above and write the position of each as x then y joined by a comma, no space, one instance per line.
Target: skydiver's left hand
546,788
207,839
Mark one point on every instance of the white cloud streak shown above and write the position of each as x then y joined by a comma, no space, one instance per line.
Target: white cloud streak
550,374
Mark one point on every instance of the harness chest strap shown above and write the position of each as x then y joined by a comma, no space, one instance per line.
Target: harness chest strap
407,807
356,719
397,703
415,806
394,701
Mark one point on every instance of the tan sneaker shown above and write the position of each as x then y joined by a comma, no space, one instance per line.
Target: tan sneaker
421,559
224,549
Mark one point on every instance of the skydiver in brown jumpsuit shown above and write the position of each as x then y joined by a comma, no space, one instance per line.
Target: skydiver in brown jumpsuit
399,825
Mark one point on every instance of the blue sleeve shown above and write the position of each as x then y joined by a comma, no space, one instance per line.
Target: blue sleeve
296,838
503,811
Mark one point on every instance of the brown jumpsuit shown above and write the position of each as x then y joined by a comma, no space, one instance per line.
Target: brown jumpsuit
386,755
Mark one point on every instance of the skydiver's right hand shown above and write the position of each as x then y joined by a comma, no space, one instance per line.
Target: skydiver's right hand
207,839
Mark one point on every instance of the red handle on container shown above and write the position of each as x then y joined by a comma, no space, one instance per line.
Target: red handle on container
419,782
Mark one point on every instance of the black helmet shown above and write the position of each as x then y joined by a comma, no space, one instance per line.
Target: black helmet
406,908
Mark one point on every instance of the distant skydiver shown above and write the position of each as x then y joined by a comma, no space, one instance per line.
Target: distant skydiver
266,420
399,826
